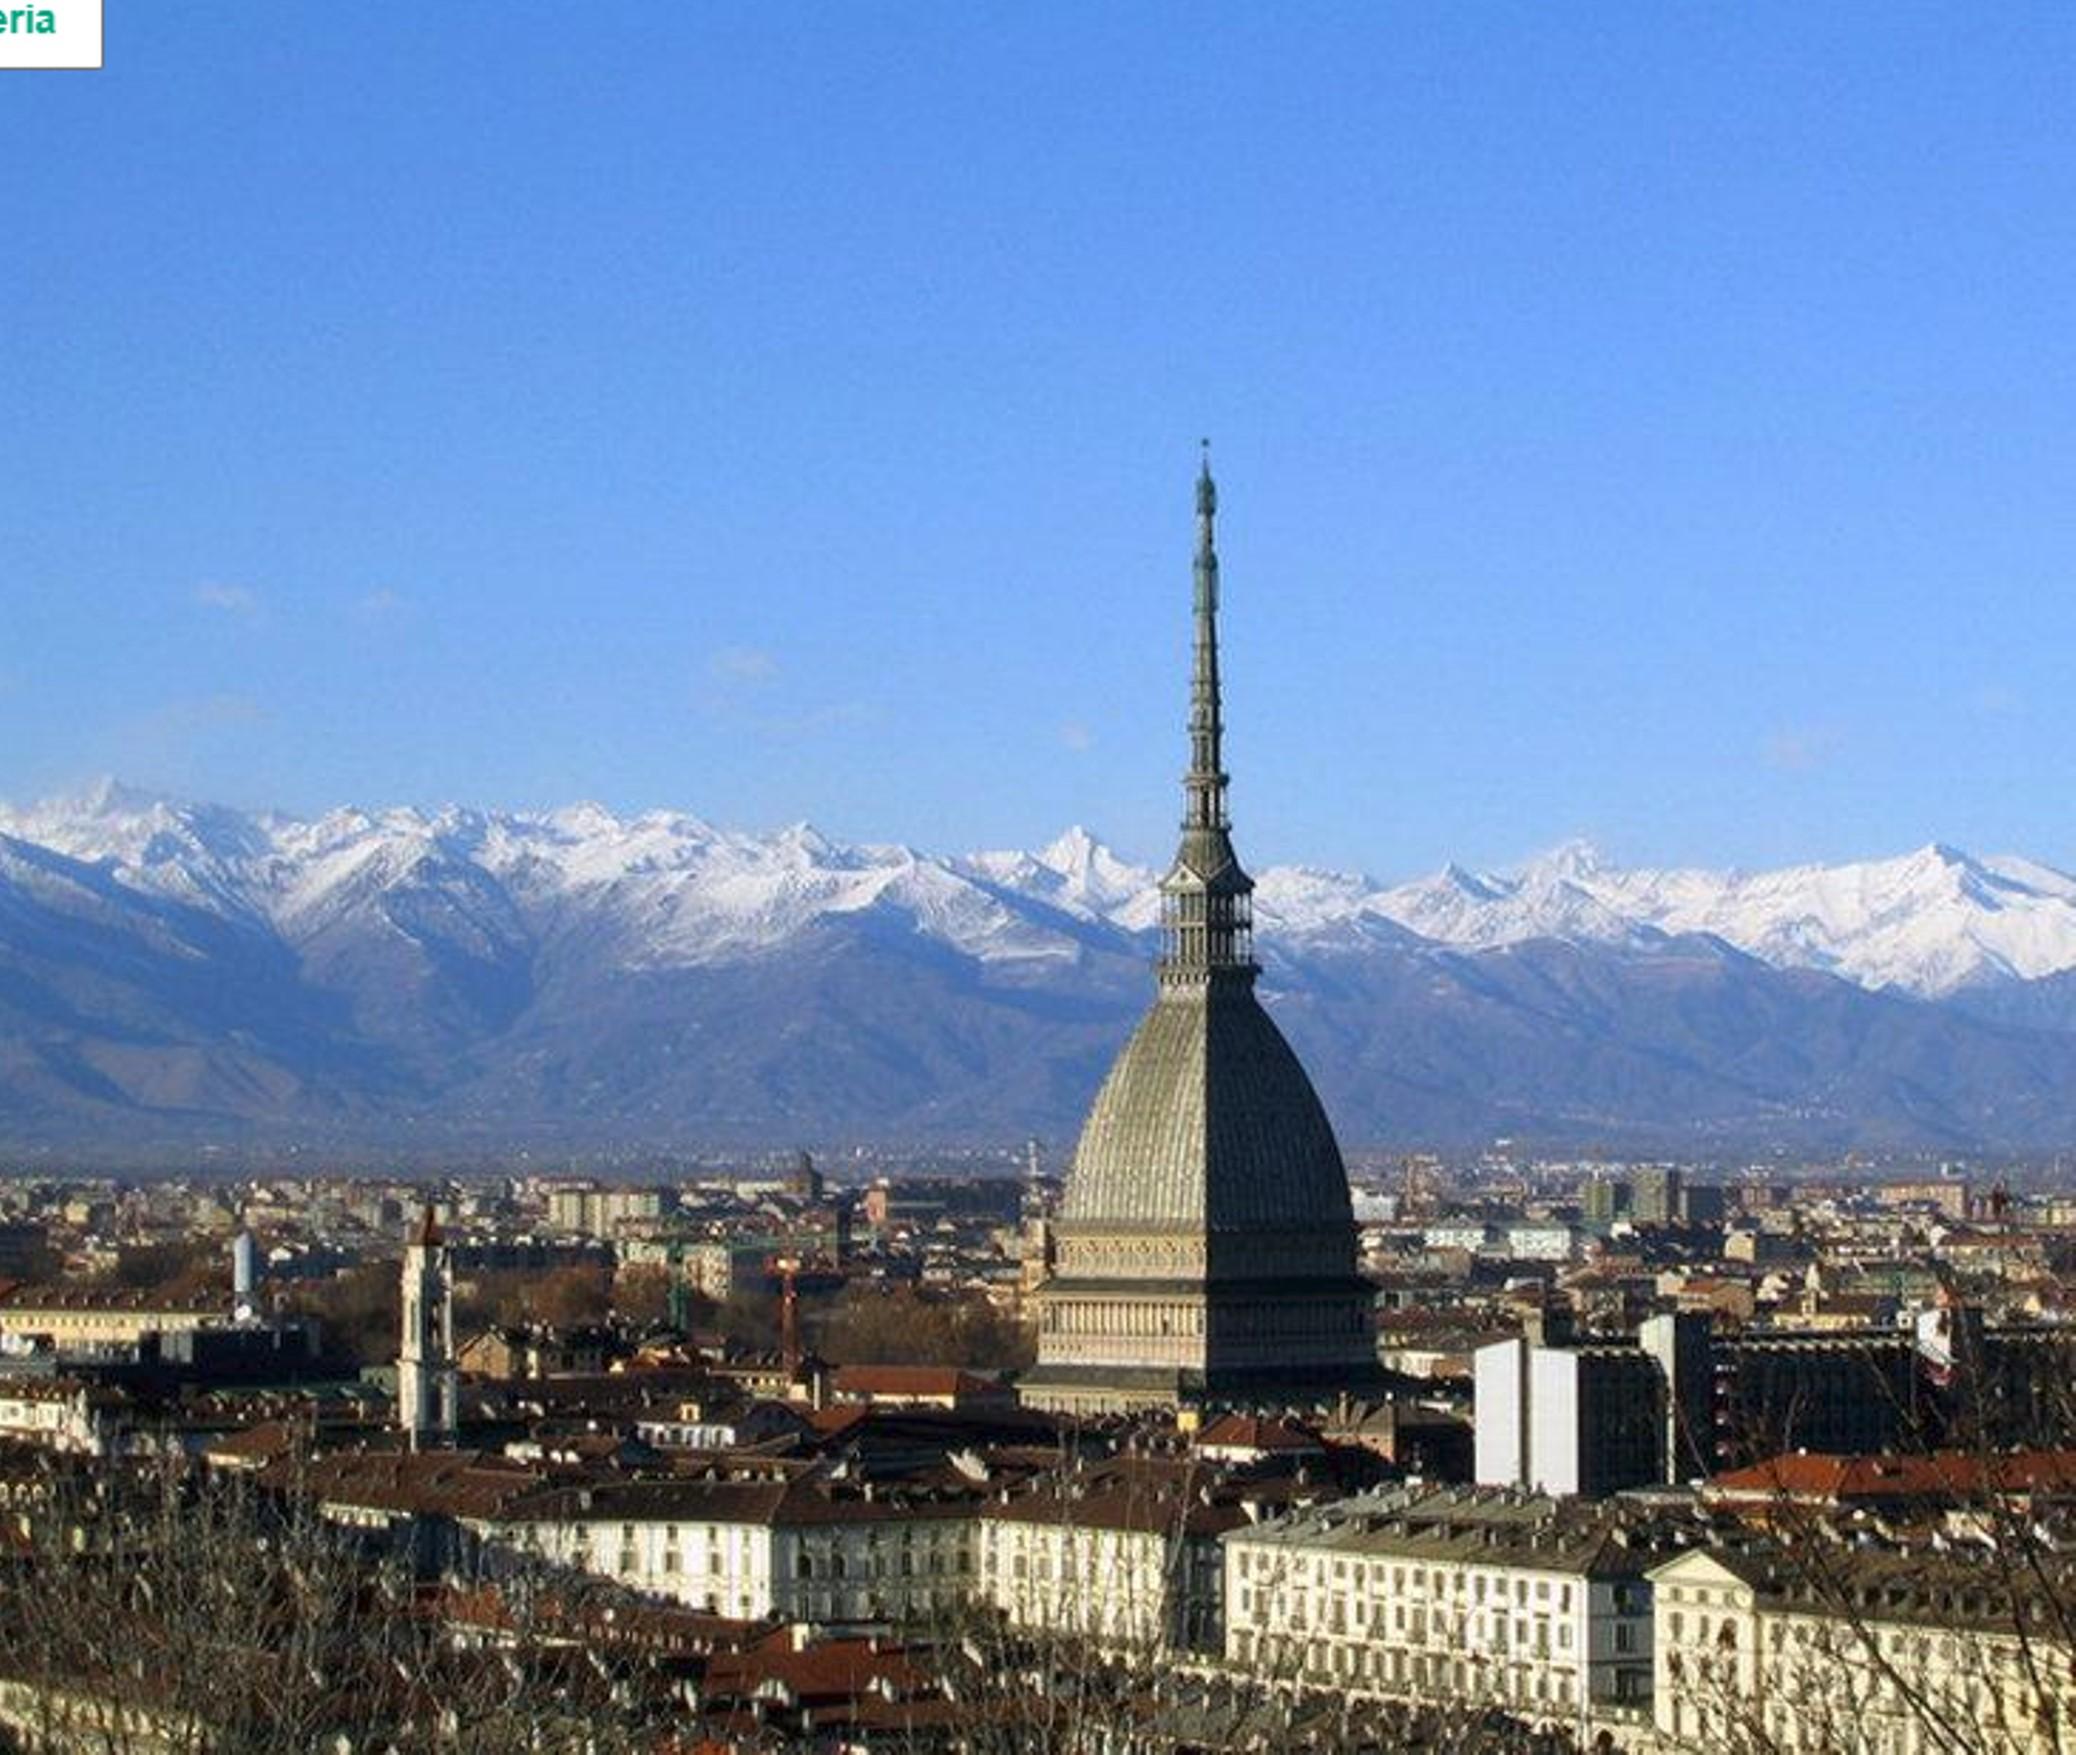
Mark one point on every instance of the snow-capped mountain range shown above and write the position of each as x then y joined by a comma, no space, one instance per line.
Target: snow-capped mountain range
1927,923
178,965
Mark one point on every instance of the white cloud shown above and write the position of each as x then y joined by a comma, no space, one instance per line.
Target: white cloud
1076,735
744,687
165,745
1797,749
205,713
234,600
742,664
380,602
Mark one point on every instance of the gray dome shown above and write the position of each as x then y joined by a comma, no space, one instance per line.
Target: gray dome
1207,1121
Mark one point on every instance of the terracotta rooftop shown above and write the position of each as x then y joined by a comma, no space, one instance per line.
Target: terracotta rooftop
827,1672
909,1380
456,1483
1838,1479
1255,1432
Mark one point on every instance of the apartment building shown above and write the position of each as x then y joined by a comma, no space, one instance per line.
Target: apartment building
1124,1552
1822,1647
1467,1596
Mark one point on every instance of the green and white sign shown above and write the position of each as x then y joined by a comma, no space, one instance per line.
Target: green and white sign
52,34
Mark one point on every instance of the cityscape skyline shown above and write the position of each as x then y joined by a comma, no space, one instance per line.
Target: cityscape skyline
1657,436
1569,1246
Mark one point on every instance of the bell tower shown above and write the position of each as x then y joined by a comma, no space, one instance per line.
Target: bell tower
428,1389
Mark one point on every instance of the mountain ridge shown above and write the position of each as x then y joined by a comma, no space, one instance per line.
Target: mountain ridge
469,974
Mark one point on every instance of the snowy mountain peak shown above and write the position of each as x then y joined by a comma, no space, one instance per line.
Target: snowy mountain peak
1094,874
668,888
1072,851
805,840
586,817
109,823
1569,861
1472,883
106,796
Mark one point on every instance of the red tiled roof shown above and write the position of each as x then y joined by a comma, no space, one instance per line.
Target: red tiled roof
1938,1475
831,1671
460,1483
900,1380
1254,1432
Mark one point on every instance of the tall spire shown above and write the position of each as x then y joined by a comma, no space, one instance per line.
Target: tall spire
1203,787
1205,914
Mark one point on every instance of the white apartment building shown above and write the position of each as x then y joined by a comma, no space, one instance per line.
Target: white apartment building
592,1210
85,1319
1450,1596
809,1548
1531,1242
720,1269
1125,1553
1853,1652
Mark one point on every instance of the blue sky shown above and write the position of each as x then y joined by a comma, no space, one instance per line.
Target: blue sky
1656,423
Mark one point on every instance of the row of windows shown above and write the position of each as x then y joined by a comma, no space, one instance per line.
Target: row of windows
1393,1669
1338,1615
1439,1581
836,1564
1122,1319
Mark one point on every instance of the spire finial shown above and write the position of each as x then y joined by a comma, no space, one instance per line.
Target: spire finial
1205,908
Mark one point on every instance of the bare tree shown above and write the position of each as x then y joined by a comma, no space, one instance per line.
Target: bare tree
160,1610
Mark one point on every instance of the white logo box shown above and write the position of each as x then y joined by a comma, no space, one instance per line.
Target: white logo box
50,34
